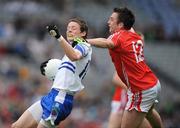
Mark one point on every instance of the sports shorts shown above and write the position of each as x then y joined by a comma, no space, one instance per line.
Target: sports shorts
142,101
65,104
36,111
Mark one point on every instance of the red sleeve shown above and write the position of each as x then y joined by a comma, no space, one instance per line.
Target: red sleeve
115,39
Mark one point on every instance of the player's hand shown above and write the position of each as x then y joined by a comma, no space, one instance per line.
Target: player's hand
50,122
77,40
53,31
54,114
42,67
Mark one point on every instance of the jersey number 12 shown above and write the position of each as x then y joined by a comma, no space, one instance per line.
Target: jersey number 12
138,50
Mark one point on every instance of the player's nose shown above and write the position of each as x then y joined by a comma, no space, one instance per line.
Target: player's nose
69,30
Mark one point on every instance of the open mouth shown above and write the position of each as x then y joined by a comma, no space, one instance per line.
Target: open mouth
70,37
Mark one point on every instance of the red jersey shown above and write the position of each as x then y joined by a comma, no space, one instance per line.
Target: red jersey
128,59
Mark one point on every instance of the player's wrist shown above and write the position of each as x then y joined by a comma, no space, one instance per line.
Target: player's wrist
57,35
60,38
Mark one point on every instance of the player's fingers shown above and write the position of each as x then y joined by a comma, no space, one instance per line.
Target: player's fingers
49,27
52,32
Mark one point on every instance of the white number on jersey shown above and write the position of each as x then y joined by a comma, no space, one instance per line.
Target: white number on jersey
138,50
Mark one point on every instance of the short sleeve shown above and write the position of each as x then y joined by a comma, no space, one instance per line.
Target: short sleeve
82,48
115,39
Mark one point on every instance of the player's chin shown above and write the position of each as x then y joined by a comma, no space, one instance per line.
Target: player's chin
111,31
70,38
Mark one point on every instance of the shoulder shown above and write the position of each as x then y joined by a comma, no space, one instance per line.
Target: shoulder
116,38
84,48
114,35
83,45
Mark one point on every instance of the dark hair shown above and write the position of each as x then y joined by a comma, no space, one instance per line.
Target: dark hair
125,16
82,24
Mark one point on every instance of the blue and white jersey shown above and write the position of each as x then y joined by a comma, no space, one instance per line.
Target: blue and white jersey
71,73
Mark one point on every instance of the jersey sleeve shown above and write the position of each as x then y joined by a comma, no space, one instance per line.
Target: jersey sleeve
83,48
115,39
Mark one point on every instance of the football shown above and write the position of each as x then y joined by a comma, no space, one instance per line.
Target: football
51,68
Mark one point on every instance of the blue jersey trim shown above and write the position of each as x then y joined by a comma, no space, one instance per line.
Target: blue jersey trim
81,49
69,64
67,67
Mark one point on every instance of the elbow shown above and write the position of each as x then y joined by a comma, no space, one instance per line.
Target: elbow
74,58
110,45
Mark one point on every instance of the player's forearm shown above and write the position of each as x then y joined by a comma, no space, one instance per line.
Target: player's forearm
68,49
118,82
101,42
121,84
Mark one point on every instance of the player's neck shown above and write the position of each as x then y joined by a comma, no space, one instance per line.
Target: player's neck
119,29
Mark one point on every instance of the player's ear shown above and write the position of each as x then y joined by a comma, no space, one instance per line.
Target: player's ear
120,25
83,34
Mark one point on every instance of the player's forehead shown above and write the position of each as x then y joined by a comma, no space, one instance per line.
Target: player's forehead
73,24
114,16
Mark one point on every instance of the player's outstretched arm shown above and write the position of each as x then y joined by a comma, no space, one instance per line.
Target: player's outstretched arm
101,42
71,53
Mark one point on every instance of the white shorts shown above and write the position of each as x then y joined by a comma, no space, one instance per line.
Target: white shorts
36,111
142,101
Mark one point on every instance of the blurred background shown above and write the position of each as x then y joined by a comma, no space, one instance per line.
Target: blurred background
24,44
